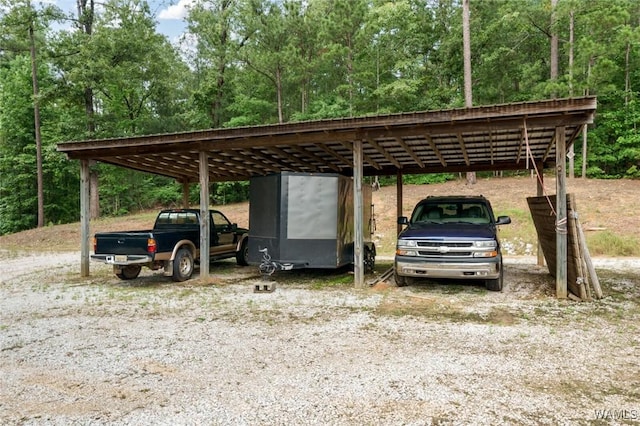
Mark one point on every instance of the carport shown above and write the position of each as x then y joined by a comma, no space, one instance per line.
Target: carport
516,136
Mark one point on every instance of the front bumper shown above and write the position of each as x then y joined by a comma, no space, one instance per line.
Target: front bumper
122,259
419,267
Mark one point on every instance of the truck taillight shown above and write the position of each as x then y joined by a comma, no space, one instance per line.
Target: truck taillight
95,244
152,247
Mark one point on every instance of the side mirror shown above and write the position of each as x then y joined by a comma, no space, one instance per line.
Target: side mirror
403,220
503,220
234,227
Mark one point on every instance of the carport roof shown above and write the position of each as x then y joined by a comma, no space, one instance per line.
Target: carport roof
496,137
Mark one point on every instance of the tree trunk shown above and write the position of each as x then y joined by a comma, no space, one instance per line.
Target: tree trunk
279,94
36,119
627,83
571,151
554,45
468,91
466,41
350,74
584,129
86,9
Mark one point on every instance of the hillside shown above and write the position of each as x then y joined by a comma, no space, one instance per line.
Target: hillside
607,210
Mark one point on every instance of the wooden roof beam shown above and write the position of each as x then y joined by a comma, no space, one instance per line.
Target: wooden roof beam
177,161
126,162
365,157
224,162
295,160
248,155
575,134
492,158
384,152
454,127
268,156
549,147
278,165
410,151
452,168
463,147
522,143
435,149
336,155
314,157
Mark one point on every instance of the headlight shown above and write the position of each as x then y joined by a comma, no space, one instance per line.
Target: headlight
406,248
407,243
485,244
403,252
491,253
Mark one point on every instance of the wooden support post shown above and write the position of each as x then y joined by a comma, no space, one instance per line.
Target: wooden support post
540,193
85,215
561,214
358,253
205,224
185,194
399,200
584,152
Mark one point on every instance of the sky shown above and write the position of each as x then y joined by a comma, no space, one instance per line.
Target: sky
169,14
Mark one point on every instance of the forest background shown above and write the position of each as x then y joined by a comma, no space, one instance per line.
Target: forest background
252,62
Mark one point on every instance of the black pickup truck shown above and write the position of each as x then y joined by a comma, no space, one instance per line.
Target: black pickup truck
451,237
173,244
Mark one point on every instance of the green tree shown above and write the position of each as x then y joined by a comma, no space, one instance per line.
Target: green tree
212,24
126,77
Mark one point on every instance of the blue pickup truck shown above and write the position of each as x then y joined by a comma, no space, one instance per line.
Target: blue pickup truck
173,244
451,237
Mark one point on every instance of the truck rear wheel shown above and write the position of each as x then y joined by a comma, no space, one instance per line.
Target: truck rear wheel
129,272
369,259
182,265
242,256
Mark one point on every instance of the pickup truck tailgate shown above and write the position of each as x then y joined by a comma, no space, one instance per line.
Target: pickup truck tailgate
122,242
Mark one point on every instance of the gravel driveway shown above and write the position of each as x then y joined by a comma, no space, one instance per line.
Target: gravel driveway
314,351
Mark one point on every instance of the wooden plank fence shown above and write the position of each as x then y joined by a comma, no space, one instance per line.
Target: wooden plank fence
581,276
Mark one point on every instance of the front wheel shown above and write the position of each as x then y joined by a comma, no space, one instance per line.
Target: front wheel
402,281
242,256
129,272
182,265
495,285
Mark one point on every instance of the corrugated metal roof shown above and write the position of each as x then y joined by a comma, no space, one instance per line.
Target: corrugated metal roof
495,137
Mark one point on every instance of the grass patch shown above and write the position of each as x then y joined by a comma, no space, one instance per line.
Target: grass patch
316,279
606,243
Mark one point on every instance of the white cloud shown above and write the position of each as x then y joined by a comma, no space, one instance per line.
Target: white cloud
176,11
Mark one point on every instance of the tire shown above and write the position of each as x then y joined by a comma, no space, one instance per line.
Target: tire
129,272
369,259
182,265
242,256
495,285
402,281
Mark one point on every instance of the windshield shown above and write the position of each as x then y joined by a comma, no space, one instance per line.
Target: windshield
458,212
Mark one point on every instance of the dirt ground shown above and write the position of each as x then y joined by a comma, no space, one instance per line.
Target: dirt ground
98,350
